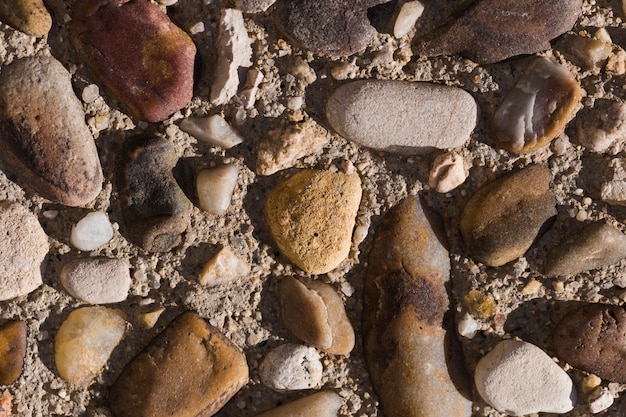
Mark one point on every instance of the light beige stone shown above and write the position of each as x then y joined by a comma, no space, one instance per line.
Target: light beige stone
213,130
448,172
97,280
320,404
215,188
224,267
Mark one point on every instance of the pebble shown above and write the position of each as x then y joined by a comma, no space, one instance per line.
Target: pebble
409,13
591,54
600,400
85,341
12,351
493,30
24,246
97,280
45,140
150,319
223,268
291,367
503,218
448,172
6,404
401,116
215,188
518,378
311,217
320,404
467,326
213,130
92,231
537,109
152,75
285,146
593,339
249,91
590,246
313,312
253,6
602,126
614,191
413,362
28,16
190,369
155,208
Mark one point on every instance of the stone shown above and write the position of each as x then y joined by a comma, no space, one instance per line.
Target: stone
12,351
291,367
593,339
28,16
614,191
503,218
149,319
374,113
85,341
155,208
589,53
334,28
249,91
234,50
448,172
590,246
602,126
479,305
313,312
152,75
191,369
253,6
6,404
518,378
215,188
285,146
320,404
537,109
311,217
23,248
92,231
409,344
600,400
223,268
409,13
467,326
97,280
493,30
213,130
45,140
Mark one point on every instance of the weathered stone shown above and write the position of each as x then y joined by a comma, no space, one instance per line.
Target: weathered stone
614,191
152,75
503,218
224,267
212,129
591,54
311,216
45,140
291,367
600,400
12,350
23,247
190,369
401,116
537,108
602,126
593,339
320,404
493,30
96,280
253,6
518,378
155,208
92,231
215,188
28,16
448,172
412,367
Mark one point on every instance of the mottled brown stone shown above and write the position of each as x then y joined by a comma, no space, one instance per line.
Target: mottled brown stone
28,16
12,351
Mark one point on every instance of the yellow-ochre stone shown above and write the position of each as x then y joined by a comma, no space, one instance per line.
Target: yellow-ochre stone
28,16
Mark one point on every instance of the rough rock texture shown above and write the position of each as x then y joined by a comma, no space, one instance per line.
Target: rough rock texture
190,369
503,218
28,16
152,75
253,6
448,172
320,404
593,339
224,267
402,117
407,343
614,190
601,126
291,367
96,280
12,350
311,216
45,140
493,30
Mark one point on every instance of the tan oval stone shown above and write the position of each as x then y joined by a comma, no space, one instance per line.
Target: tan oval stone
28,16
320,404
12,351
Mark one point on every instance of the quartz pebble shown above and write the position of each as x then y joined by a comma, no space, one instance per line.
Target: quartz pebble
448,172
313,312
253,6
190,369
213,130
291,367
589,53
518,378
600,400
149,319
374,113
12,351
311,217
97,280
320,404
409,13
614,191
224,267
85,342
467,326
215,188
602,126
537,108
28,16
91,232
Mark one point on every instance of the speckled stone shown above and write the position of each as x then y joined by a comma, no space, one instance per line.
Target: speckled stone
28,16
97,280
12,350
291,367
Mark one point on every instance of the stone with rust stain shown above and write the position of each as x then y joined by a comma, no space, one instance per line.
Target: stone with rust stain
12,351
408,345
152,74
28,16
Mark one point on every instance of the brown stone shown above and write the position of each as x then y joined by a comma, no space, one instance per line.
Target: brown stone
28,16
144,59
320,404
12,351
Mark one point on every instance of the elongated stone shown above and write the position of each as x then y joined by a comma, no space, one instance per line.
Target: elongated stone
320,404
405,337
45,141
28,16
12,351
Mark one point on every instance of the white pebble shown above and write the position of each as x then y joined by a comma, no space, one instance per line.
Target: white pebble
294,103
50,214
448,172
467,327
409,13
91,93
360,233
215,188
197,28
600,400
93,231
213,130
291,367
223,268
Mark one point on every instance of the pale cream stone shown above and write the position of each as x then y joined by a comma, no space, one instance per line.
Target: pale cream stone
320,404
448,172
92,231
213,130
215,188
600,400
223,268
410,12
149,319
251,87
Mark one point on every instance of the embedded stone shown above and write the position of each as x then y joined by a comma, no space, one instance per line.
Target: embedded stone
602,126
254,6
152,75
12,351
92,231
28,16
614,191
409,13
224,267
215,188
213,130
291,367
448,172
320,404
97,280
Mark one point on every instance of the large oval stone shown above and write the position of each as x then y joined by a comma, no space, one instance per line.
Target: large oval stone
45,141
402,116
28,16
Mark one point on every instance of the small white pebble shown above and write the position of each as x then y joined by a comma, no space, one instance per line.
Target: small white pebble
600,400
222,268
347,289
409,13
467,327
581,216
91,232
90,93
197,28
294,103
215,188
213,129
360,233
291,367
50,214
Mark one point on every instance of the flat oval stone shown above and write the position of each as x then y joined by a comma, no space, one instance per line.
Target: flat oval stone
152,75
320,404
45,140
97,280
28,16
401,116
12,350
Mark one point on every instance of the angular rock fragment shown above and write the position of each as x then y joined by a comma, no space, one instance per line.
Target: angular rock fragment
212,129
448,172
152,75
253,6
28,16
12,350
44,138
537,108
503,218
92,231
602,126
215,188
614,191
401,116
97,280
589,53
291,367
224,267
190,369
409,13
320,404
493,30
406,340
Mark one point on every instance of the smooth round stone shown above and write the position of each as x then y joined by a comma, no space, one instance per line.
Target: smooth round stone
215,188
97,280
291,367
401,116
518,378
91,232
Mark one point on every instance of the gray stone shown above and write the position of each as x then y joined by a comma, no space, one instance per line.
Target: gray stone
401,116
253,6
320,404
97,280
